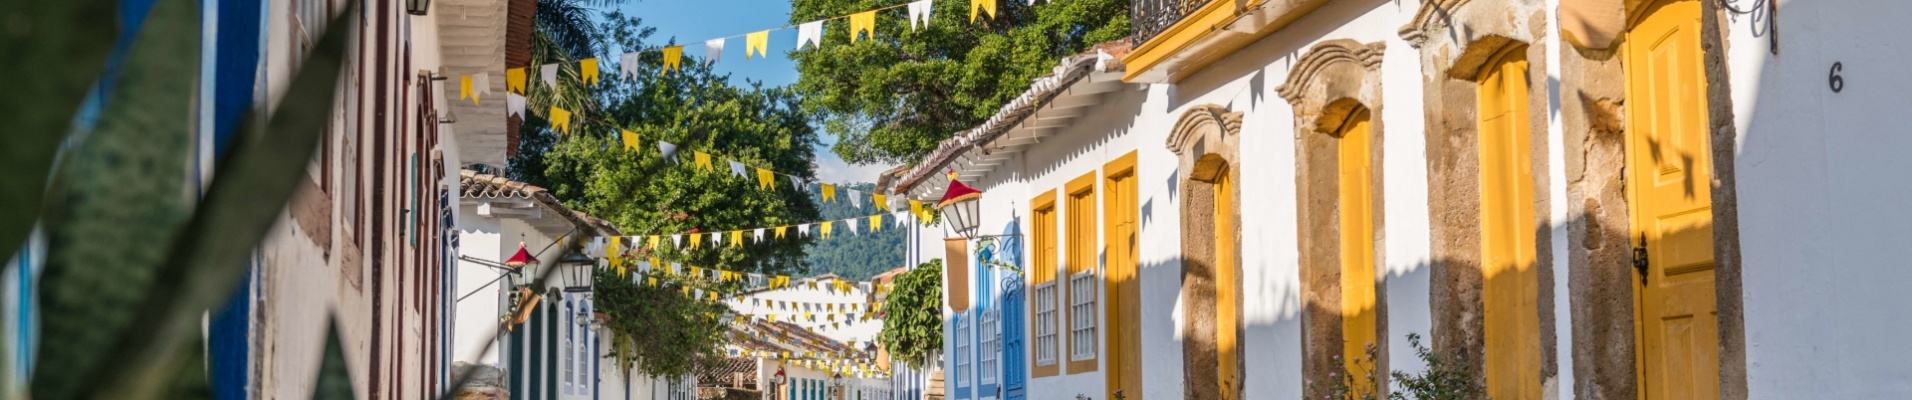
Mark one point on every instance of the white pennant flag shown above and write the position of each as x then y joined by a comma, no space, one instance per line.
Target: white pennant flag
810,32
856,198
515,103
481,83
797,183
717,238
678,242
759,235
803,229
919,14
713,50
549,73
628,65
898,217
852,223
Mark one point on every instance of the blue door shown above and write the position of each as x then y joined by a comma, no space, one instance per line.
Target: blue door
1014,365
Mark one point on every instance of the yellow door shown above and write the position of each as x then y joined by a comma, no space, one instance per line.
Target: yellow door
1510,306
1357,247
1227,287
1124,306
1669,179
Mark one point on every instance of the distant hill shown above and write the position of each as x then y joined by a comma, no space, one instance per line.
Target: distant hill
859,256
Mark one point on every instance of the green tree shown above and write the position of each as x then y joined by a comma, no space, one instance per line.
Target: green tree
859,256
913,315
642,192
891,99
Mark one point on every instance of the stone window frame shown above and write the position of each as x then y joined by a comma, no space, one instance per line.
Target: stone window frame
1329,83
1456,40
1205,138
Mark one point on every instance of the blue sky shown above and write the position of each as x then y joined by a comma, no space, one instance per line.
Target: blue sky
694,21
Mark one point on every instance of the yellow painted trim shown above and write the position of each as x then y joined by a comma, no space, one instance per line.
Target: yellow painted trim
1227,286
1082,231
1192,28
1123,333
1358,305
1511,293
1042,269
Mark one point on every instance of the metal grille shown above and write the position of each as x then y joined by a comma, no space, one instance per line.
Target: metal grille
1082,316
1151,17
992,346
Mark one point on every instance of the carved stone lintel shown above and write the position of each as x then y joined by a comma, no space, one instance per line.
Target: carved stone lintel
1190,128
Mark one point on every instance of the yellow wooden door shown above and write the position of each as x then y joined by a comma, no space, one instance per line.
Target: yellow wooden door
1357,247
1124,306
1669,179
1227,287
1511,314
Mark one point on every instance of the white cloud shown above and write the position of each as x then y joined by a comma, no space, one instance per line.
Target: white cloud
831,168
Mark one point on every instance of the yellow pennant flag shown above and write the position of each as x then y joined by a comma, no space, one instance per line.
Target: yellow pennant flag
876,222
882,202
702,160
659,266
630,140
654,240
773,318
697,272
757,43
588,68
916,208
780,231
863,22
712,296
736,238
673,56
652,281
685,289
825,226
829,192
696,239
611,251
765,178
987,6
560,119
514,80
464,88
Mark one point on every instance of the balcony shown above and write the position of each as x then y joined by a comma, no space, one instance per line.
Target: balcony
1176,38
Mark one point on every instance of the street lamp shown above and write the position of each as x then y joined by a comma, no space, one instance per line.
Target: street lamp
775,381
418,7
579,271
961,207
836,381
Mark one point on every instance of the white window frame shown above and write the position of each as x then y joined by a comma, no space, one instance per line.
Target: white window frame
989,367
583,349
963,352
1046,343
1082,316
567,356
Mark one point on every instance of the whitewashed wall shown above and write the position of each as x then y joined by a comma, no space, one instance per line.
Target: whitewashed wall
1823,199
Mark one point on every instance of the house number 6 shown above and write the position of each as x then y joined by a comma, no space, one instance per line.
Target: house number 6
1838,83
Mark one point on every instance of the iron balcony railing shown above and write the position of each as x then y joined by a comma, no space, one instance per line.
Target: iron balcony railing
1150,17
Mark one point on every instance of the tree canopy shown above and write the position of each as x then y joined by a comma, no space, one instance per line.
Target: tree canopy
890,99
913,315
859,256
657,329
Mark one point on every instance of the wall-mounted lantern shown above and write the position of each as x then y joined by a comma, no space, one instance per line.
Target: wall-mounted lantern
417,7
961,207
579,272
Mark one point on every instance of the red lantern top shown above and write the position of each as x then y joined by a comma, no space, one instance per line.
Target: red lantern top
521,258
957,191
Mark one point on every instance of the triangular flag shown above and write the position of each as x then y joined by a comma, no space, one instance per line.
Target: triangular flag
796,183
829,192
549,74
515,104
716,238
826,229
803,229
855,199
480,85
611,250
780,231
652,281
560,119
916,208
810,32
736,168
757,43
677,241
696,240
653,239
898,217
765,178
852,223
701,160
919,14
587,68
863,22
514,80
669,150
627,64
673,58
882,203
736,238
713,50
630,140
464,88
988,6
876,223
759,236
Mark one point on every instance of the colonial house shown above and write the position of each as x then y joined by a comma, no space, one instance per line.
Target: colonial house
1662,199
811,338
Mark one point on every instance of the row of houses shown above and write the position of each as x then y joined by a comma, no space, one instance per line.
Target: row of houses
1660,199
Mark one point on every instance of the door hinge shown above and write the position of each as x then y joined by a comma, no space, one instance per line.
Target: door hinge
1640,261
